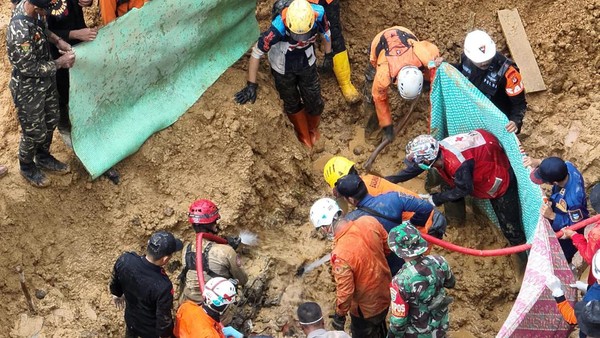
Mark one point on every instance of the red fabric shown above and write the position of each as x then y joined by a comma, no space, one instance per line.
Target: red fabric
490,162
588,247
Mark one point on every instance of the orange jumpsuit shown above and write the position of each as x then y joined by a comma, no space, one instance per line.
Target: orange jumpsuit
377,186
193,322
359,267
112,9
390,52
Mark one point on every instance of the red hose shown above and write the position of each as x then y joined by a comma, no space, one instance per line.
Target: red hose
199,270
503,251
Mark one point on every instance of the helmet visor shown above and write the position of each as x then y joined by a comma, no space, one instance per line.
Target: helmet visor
301,37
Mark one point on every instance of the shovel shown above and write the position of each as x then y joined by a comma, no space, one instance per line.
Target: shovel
385,142
309,267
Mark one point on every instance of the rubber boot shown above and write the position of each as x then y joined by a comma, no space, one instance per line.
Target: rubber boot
373,122
341,68
34,175
50,163
299,120
313,127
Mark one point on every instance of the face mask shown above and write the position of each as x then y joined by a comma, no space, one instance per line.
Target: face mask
424,166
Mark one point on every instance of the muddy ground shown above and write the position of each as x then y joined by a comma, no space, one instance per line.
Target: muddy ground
248,161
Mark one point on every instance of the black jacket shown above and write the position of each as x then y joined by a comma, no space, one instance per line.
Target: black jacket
62,25
148,294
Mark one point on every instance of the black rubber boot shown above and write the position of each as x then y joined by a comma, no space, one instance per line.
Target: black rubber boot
34,175
373,122
48,162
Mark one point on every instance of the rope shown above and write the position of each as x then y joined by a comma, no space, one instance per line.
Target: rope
503,251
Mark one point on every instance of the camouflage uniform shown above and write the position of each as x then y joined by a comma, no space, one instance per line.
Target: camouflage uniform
419,301
33,82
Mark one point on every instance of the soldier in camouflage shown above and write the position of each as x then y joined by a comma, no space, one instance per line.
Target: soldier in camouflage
419,301
33,85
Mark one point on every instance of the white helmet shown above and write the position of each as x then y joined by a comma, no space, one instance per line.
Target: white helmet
596,265
479,47
324,212
410,82
422,148
219,292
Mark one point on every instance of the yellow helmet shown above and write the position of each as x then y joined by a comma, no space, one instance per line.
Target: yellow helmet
336,168
300,17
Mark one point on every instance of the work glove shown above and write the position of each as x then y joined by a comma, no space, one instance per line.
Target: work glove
437,233
233,241
338,322
229,331
248,94
388,133
119,302
579,285
427,198
327,65
554,284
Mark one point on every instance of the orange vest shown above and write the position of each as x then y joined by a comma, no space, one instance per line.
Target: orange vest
193,322
377,186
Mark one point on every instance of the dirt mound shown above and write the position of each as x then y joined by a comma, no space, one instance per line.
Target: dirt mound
246,159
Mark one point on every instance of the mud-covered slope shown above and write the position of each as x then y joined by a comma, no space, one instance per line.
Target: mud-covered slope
247,160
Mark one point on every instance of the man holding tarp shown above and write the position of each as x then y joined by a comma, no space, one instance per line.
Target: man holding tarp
496,76
289,43
33,85
474,164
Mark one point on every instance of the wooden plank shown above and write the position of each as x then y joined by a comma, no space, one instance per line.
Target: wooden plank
520,50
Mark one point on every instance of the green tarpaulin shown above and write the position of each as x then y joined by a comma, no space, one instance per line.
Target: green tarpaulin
145,69
458,107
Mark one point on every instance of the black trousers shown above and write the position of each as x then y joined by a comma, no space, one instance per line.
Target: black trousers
62,85
301,89
332,11
374,327
508,210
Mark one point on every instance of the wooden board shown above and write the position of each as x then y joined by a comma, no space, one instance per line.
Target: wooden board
520,50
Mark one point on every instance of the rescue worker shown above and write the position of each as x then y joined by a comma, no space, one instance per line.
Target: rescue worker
587,311
338,167
359,268
219,260
419,300
142,287
496,76
290,44
568,202
388,209
396,56
338,59
204,319
33,85
70,27
310,318
473,164
112,9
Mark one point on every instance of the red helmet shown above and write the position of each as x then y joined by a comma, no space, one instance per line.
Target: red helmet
203,212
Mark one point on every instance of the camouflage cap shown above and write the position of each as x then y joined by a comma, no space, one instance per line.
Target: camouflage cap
406,241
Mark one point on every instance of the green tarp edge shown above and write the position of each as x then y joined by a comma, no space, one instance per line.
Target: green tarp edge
145,69
459,107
